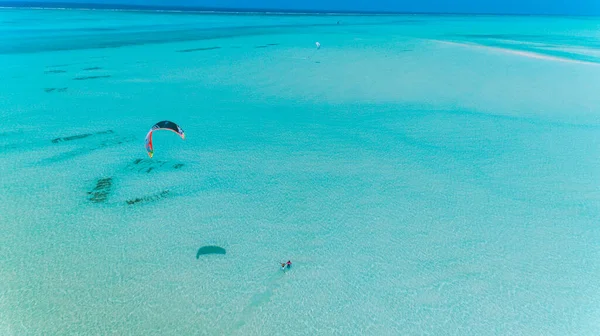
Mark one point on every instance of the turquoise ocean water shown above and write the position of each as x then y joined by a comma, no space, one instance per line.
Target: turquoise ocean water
426,174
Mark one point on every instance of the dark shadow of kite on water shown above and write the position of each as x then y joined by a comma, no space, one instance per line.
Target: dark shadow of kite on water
210,250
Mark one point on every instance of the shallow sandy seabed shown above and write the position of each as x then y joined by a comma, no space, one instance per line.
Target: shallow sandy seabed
423,180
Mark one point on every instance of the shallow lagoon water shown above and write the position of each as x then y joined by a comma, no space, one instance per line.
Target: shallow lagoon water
425,174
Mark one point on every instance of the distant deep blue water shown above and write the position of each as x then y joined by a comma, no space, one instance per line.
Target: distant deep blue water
425,174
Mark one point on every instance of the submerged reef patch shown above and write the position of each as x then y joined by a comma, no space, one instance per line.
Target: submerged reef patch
48,90
198,49
91,77
101,191
54,71
149,198
80,136
149,165
84,150
266,45
145,165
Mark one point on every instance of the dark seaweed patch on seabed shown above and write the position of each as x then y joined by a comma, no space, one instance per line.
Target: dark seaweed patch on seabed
80,136
55,89
86,149
92,68
198,49
267,45
91,77
54,71
101,191
147,165
149,198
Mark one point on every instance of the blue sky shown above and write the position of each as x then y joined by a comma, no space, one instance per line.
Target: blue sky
571,7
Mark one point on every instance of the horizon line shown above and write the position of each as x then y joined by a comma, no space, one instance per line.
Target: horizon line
230,10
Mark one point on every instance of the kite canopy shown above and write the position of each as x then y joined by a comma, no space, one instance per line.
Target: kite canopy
162,125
